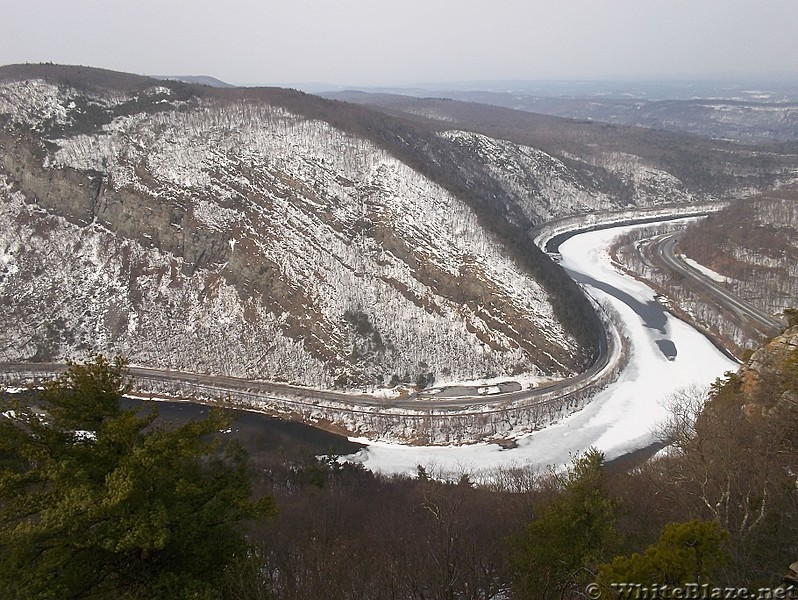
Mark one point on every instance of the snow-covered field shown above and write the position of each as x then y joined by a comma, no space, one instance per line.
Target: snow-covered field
622,418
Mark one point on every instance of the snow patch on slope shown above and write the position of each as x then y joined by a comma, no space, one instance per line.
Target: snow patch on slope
545,186
33,102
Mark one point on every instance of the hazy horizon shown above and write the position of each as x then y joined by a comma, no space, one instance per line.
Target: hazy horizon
369,44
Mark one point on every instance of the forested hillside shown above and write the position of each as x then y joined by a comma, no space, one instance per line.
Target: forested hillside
719,507
750,246
634,165
754,245
272,234
724,114
259,233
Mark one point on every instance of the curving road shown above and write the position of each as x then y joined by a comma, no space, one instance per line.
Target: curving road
605,363
664,250
221,384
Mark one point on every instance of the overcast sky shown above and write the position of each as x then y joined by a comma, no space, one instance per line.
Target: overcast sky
375,42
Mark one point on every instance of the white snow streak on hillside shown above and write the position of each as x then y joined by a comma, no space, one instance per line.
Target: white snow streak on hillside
714,275
545,186
620,419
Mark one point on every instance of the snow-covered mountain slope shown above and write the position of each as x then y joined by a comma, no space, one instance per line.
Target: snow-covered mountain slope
229,235
268,233
547,166
545,187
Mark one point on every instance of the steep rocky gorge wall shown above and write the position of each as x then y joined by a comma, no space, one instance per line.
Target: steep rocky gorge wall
270,234
239,238
85,197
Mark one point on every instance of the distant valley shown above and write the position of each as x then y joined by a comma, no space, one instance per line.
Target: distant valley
763,112
270,234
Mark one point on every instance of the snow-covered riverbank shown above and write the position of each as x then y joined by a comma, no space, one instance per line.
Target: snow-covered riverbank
666,355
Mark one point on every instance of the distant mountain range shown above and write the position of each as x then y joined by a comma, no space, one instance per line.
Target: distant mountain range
196,79
753,116
775,88
272,234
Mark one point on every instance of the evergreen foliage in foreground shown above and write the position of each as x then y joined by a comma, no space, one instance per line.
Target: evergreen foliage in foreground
686,553
557,554
97,502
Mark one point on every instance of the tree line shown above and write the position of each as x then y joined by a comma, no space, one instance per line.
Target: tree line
99,502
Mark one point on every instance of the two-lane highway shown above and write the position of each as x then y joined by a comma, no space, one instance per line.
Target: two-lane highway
219,385
664,249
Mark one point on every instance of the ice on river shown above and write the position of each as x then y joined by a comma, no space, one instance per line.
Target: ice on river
624,417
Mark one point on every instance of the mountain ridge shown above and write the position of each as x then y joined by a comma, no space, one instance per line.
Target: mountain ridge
743,117
163,205
317,240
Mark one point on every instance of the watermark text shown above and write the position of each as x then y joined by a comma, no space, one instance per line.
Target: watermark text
689,591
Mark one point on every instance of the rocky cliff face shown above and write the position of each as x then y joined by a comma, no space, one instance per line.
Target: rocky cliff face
776,363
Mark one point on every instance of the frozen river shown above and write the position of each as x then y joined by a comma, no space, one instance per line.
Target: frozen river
666,355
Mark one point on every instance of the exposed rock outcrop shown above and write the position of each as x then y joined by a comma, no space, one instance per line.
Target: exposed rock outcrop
776,355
